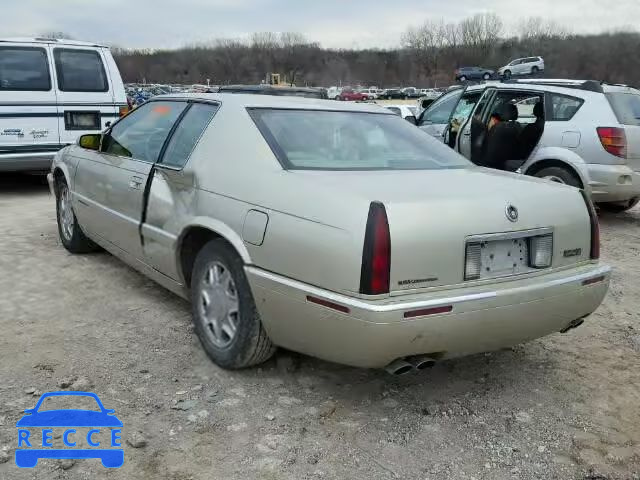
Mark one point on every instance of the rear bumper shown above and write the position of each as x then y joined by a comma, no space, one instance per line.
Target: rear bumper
374,333
22,162
613,183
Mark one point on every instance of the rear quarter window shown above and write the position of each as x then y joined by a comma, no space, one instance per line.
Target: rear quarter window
626,106
80,70
562,107
24,68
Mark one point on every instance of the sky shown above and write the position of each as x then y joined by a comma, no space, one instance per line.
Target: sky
332,23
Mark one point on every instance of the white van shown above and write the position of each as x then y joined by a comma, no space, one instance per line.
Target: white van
51,92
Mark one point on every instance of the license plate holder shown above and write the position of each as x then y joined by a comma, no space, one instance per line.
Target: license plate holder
500,258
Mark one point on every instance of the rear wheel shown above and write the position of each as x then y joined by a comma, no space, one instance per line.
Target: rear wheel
224,313
534,70
71,235
486,76
618,207
559,175
463,78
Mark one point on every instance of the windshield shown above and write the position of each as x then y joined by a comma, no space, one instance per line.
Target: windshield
332,140
69,402
626,106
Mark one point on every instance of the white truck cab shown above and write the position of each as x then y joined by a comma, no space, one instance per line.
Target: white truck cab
51,92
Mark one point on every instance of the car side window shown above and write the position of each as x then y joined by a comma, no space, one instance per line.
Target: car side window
80,70
24,68
464,108
141,134
563,107
440,111
187,133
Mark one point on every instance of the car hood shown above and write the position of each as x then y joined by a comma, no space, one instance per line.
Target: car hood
69,418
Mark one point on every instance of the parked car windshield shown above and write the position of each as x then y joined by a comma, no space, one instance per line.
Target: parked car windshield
626,106
333,140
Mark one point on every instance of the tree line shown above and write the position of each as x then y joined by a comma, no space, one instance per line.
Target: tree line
427,56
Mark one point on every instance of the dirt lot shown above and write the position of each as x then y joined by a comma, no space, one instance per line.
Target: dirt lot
565,407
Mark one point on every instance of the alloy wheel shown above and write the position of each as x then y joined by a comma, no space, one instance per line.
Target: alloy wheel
218,305
65,213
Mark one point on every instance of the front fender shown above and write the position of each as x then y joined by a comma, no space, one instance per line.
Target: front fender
66,165
573,161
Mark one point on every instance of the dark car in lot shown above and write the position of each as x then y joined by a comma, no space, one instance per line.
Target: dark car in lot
390,93
473,73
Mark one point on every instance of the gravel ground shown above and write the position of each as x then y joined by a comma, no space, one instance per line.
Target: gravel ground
564,407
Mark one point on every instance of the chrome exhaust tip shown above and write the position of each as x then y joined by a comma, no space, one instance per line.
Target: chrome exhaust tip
399,367
421,362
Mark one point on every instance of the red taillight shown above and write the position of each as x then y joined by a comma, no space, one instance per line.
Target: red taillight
376,254
613,140
595,227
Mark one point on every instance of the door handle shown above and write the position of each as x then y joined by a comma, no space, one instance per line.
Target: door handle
467,134
135,183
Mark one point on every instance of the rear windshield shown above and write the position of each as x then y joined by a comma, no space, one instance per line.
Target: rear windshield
626,106
330,140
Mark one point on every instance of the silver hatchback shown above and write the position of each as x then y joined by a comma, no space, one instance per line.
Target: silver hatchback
583,133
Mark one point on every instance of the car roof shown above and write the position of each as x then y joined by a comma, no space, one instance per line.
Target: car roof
56,41
243,100
272,90
538,87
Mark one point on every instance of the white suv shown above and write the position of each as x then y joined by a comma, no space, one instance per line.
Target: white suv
581,133
51,92
522,66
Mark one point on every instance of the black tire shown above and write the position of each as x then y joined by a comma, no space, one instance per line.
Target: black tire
618,207
534,70
507,74
463,78
250,344
559,175
486,76
75,241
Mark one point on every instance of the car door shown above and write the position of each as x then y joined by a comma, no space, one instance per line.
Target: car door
172,190
28,112
471,104
110,183
86,102
434,119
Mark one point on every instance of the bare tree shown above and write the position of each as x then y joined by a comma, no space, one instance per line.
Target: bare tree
537,28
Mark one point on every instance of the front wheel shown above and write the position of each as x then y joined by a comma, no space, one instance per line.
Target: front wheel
486,76
559,175
71,235
463,78
534,70
507,74
224,313
619,207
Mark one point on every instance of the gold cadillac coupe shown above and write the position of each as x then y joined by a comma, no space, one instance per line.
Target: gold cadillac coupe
334,229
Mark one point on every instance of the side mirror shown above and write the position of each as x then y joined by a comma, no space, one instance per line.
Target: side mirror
90,141
412,120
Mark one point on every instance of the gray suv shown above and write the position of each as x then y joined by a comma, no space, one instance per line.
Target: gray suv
581,133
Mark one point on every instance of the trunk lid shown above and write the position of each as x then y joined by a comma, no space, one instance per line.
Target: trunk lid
432,214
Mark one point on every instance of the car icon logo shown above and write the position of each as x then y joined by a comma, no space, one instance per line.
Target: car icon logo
512,213
93,433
